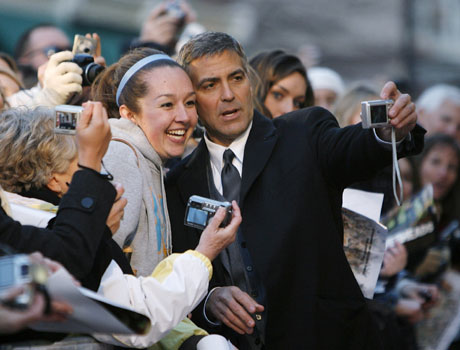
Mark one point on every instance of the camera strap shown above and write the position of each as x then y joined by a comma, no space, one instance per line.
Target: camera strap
396,173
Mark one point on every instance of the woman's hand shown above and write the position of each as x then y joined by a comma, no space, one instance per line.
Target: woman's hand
214,238
394,260
118,210
93,135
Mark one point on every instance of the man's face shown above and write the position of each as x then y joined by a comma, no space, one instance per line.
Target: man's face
42,40
224,96
444,120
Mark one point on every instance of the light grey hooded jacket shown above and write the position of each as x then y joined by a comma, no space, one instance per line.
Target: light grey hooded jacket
145,225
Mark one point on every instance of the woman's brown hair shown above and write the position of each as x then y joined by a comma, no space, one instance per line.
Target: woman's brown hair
273,66
104,89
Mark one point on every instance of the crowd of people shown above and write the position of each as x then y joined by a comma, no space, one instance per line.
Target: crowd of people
178,116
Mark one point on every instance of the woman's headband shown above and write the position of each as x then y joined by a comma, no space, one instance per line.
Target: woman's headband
135,68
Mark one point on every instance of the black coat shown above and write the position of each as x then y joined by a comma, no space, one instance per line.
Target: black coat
78,239
294,171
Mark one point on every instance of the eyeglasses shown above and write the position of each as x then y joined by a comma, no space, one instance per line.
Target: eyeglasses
47,51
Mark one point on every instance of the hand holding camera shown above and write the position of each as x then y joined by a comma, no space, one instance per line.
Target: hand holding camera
13,320
93,135
165,22
200,211
393,117
22,274
400,114
62,78
23,299
215,237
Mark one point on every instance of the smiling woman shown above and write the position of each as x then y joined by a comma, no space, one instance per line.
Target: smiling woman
438,164
151,101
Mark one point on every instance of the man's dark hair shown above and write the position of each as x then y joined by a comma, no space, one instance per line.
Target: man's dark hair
23,42
210,44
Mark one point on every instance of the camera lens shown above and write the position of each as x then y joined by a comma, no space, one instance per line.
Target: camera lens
91,71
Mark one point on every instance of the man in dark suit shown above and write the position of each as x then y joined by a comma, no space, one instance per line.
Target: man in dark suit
285,283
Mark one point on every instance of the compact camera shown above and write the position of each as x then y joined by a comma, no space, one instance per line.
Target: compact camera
82,44
90,69
18,271
66,118
173,9
374,114
200,211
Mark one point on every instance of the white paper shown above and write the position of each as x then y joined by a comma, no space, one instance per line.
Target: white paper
368,204
364,246
440,327
88,315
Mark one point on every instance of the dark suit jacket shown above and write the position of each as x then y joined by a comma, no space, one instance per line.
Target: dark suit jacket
78,239
294,171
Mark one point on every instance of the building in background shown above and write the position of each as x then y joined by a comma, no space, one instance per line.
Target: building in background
410,41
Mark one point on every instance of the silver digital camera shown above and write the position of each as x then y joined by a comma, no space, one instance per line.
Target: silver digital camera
374,114
18,271
173,9
82,44
200,211
66,118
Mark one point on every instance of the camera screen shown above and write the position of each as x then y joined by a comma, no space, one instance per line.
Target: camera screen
6,273
66,120
378,114
197,216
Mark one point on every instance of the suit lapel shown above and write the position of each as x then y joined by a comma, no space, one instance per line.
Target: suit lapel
257,151
194,180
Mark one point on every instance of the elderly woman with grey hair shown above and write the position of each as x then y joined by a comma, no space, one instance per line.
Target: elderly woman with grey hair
34,161
439,110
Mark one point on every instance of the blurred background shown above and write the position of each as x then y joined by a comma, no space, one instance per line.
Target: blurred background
415,42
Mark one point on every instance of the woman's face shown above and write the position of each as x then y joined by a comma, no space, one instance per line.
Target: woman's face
59,182
286,95
439,167
168,113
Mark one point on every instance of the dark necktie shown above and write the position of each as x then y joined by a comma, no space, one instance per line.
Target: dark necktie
231,179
